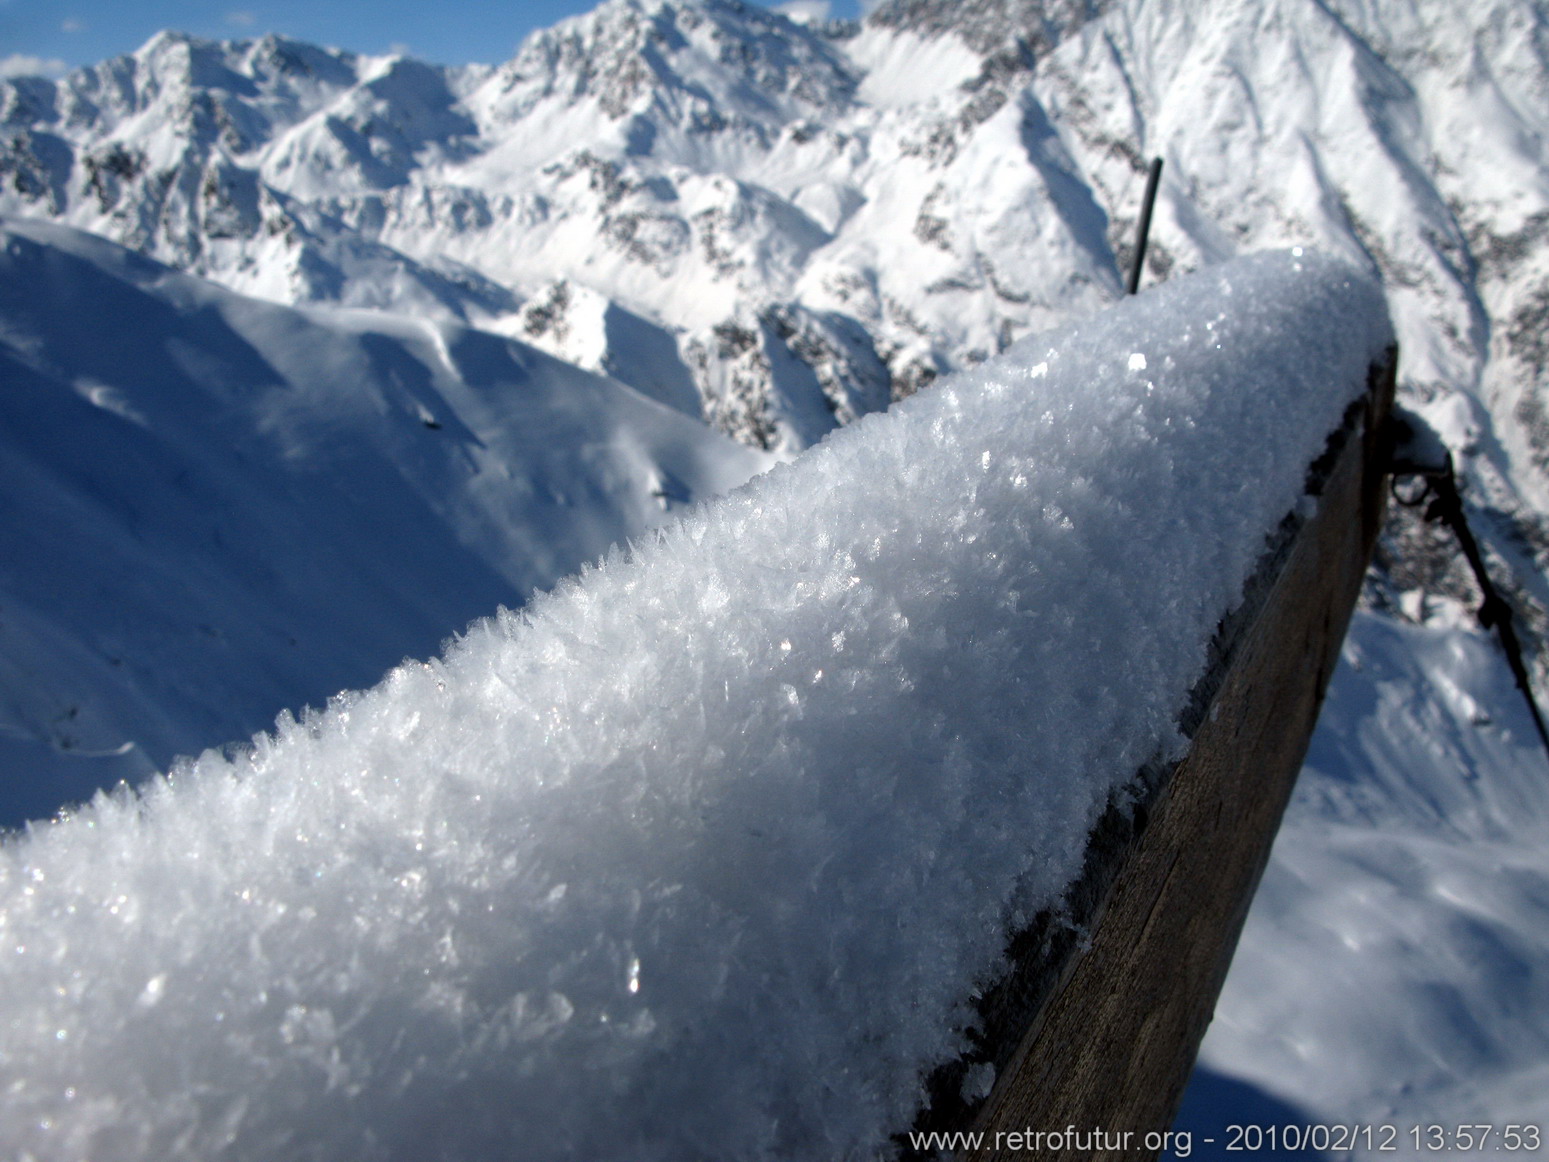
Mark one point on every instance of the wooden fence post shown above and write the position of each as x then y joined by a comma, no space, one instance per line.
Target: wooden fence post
1098,1022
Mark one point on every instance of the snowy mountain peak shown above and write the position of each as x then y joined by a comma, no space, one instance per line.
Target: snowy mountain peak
707,65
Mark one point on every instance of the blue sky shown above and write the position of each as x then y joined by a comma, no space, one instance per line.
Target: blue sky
52,35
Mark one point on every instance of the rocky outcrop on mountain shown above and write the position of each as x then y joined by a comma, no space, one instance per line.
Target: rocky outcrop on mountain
988,25
591,331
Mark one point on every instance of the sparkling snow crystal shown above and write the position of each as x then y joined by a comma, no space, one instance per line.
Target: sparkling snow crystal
702,854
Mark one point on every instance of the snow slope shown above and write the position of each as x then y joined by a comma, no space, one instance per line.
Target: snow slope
702,855
217,507
1393,967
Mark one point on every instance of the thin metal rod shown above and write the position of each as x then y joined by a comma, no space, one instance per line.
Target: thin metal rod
1153,179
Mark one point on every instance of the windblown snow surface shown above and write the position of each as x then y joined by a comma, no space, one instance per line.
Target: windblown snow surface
702,854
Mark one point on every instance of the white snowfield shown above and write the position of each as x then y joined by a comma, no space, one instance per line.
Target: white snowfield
215,507
702,854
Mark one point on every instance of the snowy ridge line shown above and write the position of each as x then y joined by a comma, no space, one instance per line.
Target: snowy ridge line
703,854
1042,956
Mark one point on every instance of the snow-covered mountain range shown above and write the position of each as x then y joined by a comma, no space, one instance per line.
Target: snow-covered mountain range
434,281
818,216
779,226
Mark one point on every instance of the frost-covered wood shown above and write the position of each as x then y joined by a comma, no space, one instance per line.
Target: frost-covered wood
702,855
1098,1021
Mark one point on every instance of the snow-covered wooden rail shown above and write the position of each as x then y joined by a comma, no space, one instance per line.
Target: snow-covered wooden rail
706,854
1096,1021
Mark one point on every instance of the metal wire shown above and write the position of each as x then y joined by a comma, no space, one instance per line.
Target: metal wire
1414,484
